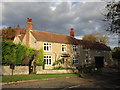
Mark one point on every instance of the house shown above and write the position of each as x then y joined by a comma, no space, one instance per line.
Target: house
72,51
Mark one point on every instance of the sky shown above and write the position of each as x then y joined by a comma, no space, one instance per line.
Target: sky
57,17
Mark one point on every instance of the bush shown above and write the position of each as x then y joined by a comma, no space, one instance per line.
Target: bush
40,60
58,68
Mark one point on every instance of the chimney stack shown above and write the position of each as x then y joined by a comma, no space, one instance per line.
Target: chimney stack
17,30
29,26
72,32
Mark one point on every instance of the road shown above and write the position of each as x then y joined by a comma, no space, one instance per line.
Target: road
106,80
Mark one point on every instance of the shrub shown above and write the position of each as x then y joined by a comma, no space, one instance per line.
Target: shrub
40,56
58,68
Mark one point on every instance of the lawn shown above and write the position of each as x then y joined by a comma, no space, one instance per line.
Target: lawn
31,77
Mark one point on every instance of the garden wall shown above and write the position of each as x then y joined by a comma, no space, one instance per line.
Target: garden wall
19,70
55,71
24,70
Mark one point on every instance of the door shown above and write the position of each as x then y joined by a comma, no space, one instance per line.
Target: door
99,62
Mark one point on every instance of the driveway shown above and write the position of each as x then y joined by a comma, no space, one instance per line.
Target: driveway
106,80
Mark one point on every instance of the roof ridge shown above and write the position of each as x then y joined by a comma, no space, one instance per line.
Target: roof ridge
52,33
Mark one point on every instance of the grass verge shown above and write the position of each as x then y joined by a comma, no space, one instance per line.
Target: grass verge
31,77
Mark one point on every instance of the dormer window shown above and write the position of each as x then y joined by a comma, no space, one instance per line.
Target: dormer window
47,47
64,48
75,48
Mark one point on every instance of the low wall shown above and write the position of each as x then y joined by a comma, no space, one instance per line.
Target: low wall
19,70
55,71
24,70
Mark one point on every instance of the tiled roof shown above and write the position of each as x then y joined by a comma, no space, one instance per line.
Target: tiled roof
58,38
52,37
93,45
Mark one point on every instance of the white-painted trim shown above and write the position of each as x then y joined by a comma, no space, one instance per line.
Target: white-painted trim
48,61
51,47
61,48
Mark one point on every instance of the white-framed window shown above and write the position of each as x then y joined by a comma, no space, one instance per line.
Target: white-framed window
64,48
75,48
86,52
87,57
75,60
47,47
48,59
87,60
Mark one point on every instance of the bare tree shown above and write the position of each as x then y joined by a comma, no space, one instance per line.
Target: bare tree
112,18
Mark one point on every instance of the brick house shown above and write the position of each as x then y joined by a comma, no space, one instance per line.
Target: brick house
72,51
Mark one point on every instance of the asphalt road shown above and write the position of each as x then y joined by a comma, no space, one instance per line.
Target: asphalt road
106,80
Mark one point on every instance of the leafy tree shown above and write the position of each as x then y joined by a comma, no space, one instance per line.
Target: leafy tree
89,37
19,53
112,17
8,53
29,52
96,37
116,53
40,58
15,53
8,33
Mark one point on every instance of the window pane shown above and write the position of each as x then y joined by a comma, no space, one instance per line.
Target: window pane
49,61
47,48
62,49
44,47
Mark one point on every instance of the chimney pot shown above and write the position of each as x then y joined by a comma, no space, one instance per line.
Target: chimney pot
29,19
18,25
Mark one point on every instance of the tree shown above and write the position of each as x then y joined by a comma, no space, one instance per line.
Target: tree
116,53
40,57
112,18
96,37
8,53
15,53
89,37
19,53
8,33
